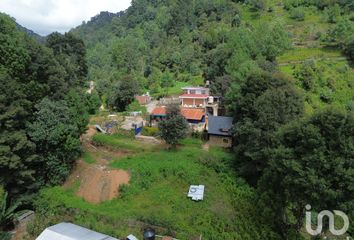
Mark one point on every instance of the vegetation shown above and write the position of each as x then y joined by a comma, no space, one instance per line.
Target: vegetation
175,127
283,70
266,103
7,213
156,195
41,120
316,151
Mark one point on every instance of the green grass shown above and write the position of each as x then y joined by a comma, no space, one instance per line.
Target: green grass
87,157
335,79
302,54
122,142
156,195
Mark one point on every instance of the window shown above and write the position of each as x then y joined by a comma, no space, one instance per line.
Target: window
225,140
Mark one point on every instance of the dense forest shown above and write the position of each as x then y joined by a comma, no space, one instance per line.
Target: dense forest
44,109
284,70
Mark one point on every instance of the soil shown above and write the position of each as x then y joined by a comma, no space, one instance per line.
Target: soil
97,182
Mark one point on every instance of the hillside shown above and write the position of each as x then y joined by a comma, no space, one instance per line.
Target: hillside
283,140
154,41
31,33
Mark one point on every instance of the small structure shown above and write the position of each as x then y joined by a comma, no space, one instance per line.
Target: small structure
100,129
219,131
143,99
69,231
192,115
132,237
196,192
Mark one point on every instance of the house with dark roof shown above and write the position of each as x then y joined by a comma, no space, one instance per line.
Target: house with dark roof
220,130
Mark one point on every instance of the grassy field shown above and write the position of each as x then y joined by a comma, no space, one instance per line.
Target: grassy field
156,196
333,84
122,142
302,54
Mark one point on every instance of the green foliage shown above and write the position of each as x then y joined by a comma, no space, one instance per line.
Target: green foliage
39,132
5,236
159,179
70,52
121,142
332,14
150,131
8,212
87,157
265,103
297,14
56,135
136,107
349,48
123,93
175,127
314,152
93,102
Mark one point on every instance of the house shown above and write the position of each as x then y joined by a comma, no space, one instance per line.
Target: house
143,99
219,131
194,97
192,115
199,97
69,231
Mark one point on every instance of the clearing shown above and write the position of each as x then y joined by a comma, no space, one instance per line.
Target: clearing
156,195
92,178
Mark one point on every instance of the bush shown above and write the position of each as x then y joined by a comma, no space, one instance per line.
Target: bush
136,107
5,236
297,13
150,131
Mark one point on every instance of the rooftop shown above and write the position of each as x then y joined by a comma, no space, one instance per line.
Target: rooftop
195,88
202,96
69,231
220,125
188,113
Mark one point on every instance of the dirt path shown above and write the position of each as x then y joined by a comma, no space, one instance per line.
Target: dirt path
97,182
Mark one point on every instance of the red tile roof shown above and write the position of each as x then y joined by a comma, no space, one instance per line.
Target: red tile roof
203,96
143,99
188,113
159,111
193,113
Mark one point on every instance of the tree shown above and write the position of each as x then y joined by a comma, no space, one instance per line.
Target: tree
312,164
93,102
175,127
166,81
123,93
70,52
349,48
265,103
56,133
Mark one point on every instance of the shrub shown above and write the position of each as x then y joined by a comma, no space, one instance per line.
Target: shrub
150,131
297,13
5,236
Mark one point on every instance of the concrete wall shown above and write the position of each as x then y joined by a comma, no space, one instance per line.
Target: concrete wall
221,141
191,101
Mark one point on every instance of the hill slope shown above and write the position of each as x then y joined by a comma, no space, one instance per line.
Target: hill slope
223,41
